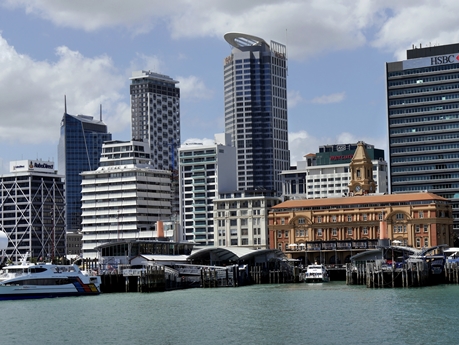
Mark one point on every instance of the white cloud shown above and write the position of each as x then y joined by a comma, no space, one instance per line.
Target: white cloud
193,88
307,27
294,98
32,93
302,143
327,99
146,63
418,22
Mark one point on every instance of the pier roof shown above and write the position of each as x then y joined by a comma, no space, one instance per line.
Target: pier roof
232,253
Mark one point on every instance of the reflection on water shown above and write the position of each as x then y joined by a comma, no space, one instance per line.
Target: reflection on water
328,313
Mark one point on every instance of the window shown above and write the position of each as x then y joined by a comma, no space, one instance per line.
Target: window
365,217
417,228
286,233
399,216
418,242
302,233
426,241
381,216
301,221
421,214
334,218
319,232
319,219
279,233
349,218
282,221
365,230
349,231
334,232
279,246
426,228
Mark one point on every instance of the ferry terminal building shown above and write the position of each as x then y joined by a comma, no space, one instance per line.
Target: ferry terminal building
331,230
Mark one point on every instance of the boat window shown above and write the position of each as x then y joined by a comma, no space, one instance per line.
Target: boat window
37,269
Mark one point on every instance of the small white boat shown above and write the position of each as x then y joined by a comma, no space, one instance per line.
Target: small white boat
46,280
316,274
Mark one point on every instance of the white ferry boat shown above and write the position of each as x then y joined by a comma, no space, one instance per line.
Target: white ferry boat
46,280
316,274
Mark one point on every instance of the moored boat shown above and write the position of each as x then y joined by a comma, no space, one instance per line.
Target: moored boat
46,280
316,274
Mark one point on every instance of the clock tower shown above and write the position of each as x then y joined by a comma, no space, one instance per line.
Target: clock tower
361,170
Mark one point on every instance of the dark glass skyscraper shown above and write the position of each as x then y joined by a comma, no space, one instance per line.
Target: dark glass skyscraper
423,121
80,146
255,85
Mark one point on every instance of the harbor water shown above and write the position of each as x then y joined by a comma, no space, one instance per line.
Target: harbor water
329,313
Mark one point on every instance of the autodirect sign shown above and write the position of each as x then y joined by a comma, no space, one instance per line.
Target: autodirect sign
431,61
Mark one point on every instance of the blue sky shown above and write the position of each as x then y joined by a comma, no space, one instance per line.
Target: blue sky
87,50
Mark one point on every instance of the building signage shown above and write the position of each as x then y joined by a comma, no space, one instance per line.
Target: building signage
40,166
340,158
431,61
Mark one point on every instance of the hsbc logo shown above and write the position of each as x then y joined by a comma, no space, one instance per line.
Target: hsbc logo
440,60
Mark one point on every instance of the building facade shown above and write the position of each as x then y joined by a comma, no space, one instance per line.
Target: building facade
125,197
255,96
155,116
423,122
155,119
326,173
241,218
205,171
331,230
32,210
80,146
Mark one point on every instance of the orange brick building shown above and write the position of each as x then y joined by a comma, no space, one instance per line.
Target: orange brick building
332,230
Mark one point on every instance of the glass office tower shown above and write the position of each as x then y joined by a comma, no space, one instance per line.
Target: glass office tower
255,84
423,121
80,146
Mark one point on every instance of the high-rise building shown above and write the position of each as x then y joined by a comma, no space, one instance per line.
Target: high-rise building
255,85
32,210
155,114
125,197
205,171
423,122
155,118
80,146
326,173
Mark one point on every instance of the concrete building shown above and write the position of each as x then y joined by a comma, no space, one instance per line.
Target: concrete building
74,244
125,197
325,174
241,218
80,146
32,210
255,85
205,171
155,119
423,122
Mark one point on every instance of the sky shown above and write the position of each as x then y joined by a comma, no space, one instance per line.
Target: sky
87,51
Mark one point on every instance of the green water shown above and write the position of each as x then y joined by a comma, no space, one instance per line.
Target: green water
331,313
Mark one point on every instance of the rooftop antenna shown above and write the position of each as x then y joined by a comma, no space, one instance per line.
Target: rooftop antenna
65,104
100,112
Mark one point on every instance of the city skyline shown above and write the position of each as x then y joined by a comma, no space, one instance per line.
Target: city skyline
86,51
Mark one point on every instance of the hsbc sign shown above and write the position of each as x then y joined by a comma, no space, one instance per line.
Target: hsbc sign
440,60
431,61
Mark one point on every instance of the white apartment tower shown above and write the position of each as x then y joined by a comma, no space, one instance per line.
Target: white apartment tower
125,197
255,86
205,171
